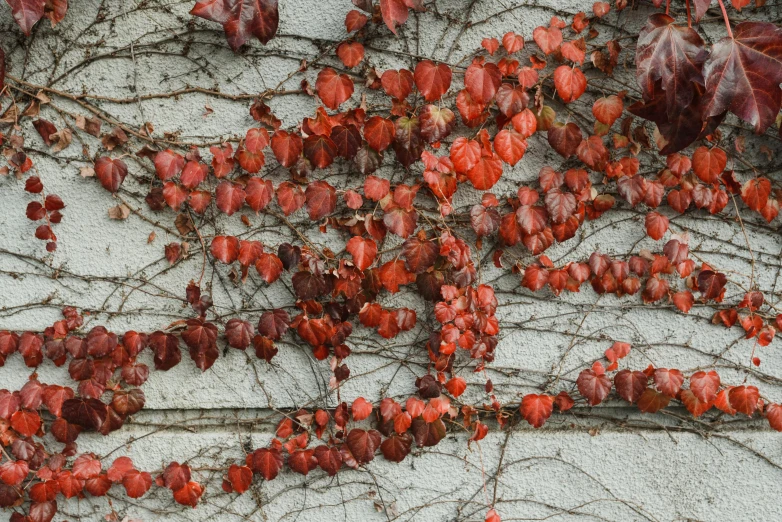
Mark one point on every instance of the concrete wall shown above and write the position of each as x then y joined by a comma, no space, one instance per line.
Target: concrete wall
612,464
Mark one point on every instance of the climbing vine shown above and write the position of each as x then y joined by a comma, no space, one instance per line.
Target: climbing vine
404,166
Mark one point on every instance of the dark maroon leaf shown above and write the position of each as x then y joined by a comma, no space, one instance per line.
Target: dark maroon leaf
87,413
241,18
362,444
166,348
428,433
239,333
396,447
743,74
672,54
274,324
564,138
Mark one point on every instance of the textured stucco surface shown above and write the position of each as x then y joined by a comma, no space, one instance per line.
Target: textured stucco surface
578,468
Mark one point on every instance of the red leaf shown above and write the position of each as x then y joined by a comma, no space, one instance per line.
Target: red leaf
355,20
87,413
189,494
225,248
174,195
303,461
512,42
570,83
110,172
560,205
166,349
379,133
287,147
548,39
201,338
774,415
396,447
363,251
258,192
393,274
400,221
13,473
350,53
708,163
510,146
45,128
704,385
329,459
428,433
274,324
511,100
683,300
320,150
222,160
347,140
137,483
486,172
673,55
593,153
176,476
420,254
269,267
363,444
711,284
193,174
199,200
456,386
432,80
321,200
593,387
630,385
436,122
656,225
240,478
168,164
397,84
465,154
290,197
652,401
241,19
491,45
333,89
239,333
26,13
536,409
394,13
42,511
265,461
743,74
607,110
86,467
26,422
229,196
119,468
361,409
668,381
564,139
482,81
632,189
755,193
575,51
744,399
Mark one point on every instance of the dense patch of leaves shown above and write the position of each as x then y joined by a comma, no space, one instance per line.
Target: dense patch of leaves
404,233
